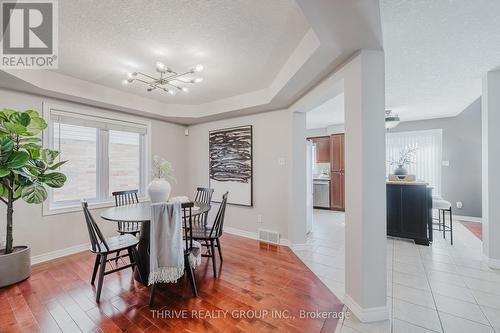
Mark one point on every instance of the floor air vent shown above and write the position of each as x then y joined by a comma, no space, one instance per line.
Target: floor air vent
269,236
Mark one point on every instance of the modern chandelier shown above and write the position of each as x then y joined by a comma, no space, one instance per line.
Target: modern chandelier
391,119
169,80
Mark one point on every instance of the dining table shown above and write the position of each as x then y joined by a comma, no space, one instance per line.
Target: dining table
141,213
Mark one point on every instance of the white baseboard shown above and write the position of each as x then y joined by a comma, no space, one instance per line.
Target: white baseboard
285,242
299,247
467,218
83,247
58,253
492,263
242,233
251,235
366,315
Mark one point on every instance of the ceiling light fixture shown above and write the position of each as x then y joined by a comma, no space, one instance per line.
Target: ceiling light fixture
391,119
169,81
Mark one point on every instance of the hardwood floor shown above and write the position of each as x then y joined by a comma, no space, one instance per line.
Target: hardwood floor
254,278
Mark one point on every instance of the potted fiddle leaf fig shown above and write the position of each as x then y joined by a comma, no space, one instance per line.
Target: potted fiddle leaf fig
26,168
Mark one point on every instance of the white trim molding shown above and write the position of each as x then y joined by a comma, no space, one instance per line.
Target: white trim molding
59,253
468,218
366,315
492,263
242,233
40,258
253,235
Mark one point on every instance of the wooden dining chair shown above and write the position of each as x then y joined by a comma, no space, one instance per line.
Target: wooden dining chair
203,195
189,249
123,198
209,236
106,247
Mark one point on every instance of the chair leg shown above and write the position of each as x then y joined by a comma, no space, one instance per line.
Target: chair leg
152,295
190,274
444,224
451,227
132,259
101,277
220,250
212,252
117,255
439,215
137,264
96,266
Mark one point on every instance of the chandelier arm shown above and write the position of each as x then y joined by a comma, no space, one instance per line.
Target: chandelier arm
179,75
173,85
146,75
143,81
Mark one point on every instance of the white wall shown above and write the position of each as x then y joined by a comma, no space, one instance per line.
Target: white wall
270,144
50,233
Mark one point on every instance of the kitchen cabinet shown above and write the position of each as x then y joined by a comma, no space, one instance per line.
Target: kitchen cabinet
409,211
322,149
337,172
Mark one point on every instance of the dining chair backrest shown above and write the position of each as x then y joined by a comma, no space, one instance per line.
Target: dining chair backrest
187,221
97,239
219,218
123,198
204,194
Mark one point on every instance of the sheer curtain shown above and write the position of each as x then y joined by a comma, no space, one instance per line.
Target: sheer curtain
427,159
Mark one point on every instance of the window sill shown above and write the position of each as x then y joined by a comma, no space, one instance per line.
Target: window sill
46,211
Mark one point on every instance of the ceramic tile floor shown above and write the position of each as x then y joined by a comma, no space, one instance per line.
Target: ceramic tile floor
440,288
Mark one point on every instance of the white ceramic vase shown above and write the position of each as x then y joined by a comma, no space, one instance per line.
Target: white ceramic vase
159,190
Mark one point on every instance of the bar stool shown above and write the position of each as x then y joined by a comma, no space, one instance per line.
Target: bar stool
443,207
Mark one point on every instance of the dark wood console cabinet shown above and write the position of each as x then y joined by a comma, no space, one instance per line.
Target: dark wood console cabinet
409,211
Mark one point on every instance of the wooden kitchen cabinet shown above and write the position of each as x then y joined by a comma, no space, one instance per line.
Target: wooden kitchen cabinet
322,149
337,172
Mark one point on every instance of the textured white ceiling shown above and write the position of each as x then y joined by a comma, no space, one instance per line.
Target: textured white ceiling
437,52
242,44
329,113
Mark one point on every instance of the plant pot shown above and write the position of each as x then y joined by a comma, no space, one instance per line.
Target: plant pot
400,171
15,266
159,190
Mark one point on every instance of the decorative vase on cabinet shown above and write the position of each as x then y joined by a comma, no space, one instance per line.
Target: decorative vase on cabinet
400,171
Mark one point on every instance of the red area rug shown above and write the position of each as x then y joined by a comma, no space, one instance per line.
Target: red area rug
475,228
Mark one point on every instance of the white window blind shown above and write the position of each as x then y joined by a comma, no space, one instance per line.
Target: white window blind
427,159
104,155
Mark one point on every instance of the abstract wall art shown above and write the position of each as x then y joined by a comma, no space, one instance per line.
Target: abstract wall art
231,165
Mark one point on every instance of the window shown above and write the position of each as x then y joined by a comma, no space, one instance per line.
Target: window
104,155
427,159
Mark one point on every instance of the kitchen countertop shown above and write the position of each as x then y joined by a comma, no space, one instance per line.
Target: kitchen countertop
402,182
